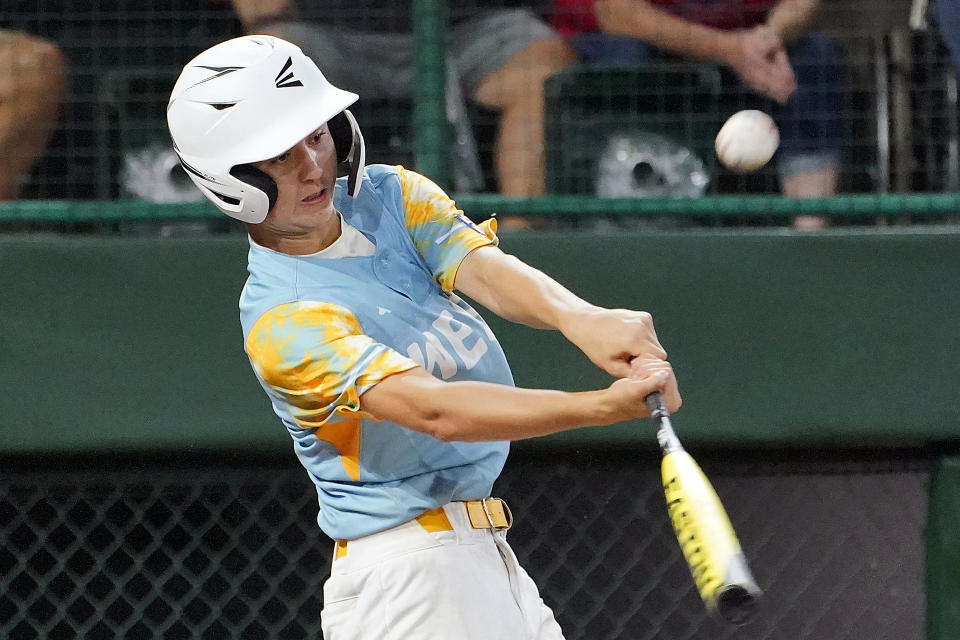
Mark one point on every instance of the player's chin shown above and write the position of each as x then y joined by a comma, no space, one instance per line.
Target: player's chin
317,211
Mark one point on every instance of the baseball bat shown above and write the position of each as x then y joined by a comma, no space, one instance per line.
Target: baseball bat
700,522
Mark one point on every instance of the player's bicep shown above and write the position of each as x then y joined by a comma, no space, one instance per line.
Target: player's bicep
404,398
479,274
510,288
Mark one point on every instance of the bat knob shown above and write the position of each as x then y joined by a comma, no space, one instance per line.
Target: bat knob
736,604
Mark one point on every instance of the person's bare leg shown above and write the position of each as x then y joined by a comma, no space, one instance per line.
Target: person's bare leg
821,183
32,83
516,90
252,12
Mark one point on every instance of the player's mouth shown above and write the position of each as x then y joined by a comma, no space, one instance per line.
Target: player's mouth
318,197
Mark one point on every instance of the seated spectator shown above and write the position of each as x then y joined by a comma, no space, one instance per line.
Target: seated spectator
32,84
948,20
768,58
500,57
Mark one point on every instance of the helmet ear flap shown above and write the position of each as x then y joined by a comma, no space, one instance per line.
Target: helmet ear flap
348,141
257,179
342,135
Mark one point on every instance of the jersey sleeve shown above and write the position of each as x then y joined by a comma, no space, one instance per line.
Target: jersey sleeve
315,357
441,233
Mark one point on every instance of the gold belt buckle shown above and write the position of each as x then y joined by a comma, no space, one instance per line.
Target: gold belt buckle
489,513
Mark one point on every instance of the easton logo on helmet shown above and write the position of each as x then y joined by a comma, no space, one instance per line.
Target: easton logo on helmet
287,80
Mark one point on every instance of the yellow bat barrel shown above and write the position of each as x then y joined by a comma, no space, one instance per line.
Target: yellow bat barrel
707,539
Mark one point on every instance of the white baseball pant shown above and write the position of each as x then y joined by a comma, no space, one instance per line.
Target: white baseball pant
424,581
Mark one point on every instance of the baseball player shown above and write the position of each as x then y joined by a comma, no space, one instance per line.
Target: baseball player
396,393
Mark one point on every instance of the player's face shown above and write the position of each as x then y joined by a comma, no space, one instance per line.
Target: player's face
305,175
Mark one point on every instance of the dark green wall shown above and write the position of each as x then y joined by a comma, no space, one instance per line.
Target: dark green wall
943,552
840,338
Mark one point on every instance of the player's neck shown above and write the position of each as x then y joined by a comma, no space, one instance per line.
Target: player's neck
296,242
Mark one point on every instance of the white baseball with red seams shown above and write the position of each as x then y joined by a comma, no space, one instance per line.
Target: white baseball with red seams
747,141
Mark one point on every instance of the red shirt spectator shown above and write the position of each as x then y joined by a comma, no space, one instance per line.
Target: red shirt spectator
571,17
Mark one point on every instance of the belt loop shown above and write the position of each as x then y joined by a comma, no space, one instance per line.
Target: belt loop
486,510
506,509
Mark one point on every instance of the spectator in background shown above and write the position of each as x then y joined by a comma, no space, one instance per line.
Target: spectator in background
501,58
948,19
766,52
32,84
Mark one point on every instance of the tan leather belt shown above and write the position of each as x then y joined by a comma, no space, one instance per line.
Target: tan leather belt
489,513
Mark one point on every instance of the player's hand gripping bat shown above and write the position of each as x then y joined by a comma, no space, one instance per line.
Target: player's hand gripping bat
703,529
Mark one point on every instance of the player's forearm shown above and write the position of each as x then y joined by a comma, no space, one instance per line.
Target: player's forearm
539,301
666,31
477,411
516,291
790,18
483,411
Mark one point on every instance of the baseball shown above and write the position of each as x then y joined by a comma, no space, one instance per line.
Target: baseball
747,141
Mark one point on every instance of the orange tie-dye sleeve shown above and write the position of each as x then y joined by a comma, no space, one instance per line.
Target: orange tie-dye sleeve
441,233
316,358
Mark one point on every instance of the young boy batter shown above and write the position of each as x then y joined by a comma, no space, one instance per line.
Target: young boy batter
396,393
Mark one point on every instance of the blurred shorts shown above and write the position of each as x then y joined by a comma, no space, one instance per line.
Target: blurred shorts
381,65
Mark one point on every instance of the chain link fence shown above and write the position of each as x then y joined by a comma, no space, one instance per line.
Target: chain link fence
875,83
893,79
199,551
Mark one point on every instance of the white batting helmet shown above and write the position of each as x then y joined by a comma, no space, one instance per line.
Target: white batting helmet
250,99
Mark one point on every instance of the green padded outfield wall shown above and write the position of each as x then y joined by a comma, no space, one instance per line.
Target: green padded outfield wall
843,338
943,553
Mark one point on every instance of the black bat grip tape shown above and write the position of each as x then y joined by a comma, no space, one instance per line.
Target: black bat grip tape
655,405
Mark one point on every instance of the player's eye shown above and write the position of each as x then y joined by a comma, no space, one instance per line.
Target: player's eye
315,138
282,157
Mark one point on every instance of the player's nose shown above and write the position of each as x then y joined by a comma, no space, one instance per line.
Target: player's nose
309,162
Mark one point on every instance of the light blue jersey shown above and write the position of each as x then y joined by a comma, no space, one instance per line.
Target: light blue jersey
321,331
